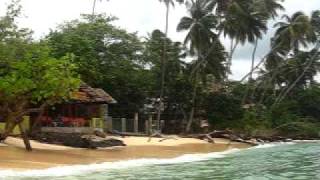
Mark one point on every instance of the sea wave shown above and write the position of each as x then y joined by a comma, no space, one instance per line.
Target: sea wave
81,169
269,145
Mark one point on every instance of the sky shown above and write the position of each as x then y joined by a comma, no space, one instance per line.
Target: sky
141,16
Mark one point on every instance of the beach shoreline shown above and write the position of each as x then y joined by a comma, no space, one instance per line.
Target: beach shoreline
44,156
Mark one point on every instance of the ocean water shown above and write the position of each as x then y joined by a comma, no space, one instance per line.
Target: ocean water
290,161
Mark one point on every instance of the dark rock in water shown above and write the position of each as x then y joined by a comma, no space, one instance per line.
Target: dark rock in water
77,140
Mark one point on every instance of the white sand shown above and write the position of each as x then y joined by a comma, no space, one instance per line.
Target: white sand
129,141
17,142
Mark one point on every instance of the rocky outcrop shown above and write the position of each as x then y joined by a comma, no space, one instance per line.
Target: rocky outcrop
77,140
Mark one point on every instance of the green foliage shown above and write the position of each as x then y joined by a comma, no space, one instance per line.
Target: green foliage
38,77
223,109
29,75
106,57
309,101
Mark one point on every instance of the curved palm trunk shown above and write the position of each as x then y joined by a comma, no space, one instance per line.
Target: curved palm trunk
233,47
253,58
259,64
163,68
283,94
251,71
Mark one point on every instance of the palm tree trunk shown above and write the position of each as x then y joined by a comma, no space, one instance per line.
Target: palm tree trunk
94,7
233,47
283,94
163,68
259,63
251,72
194,95
253,58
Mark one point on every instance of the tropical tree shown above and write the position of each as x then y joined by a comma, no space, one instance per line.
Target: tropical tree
107,57
200,38
30,78
240,21
167,3
266,9
294,32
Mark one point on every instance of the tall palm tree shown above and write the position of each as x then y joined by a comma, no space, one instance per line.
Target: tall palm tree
240,21
299,30
168,4
266,9
199,24
263,10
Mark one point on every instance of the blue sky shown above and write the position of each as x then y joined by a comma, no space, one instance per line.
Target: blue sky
142,16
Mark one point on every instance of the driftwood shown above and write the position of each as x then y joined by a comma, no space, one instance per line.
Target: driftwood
123,134
167,138
226,134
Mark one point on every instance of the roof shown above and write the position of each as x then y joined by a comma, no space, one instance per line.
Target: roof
87,94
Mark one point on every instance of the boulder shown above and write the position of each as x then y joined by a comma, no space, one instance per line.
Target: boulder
77,140
94,142
100,134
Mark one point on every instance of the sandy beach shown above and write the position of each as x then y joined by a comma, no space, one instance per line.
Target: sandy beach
13,155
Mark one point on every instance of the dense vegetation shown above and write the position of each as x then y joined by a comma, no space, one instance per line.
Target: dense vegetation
280,95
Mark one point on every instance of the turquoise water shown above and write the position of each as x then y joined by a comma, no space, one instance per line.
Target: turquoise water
299,161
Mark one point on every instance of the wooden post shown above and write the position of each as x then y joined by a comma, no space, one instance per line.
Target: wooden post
150,125
109,124
123,125
146,126
136,122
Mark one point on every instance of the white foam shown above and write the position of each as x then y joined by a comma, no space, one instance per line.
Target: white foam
307,141
269,145
81,169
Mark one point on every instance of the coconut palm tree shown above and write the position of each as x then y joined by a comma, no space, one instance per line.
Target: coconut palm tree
266,9
240,21
200,25
168,4
293,32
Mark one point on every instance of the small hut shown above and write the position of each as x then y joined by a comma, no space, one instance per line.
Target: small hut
86,111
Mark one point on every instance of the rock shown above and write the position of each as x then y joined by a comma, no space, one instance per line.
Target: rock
100,134
77,140
260,141
94,142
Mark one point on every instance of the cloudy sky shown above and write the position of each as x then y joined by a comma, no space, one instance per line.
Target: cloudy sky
142,16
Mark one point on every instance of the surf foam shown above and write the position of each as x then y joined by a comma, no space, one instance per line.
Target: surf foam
81,169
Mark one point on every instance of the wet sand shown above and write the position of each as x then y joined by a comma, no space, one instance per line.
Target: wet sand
17,158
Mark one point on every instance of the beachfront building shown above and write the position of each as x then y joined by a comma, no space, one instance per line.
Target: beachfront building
86,111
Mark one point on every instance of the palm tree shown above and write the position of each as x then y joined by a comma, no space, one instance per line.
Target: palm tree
263,10
240,22
266,9
294,32
199,24
167,3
